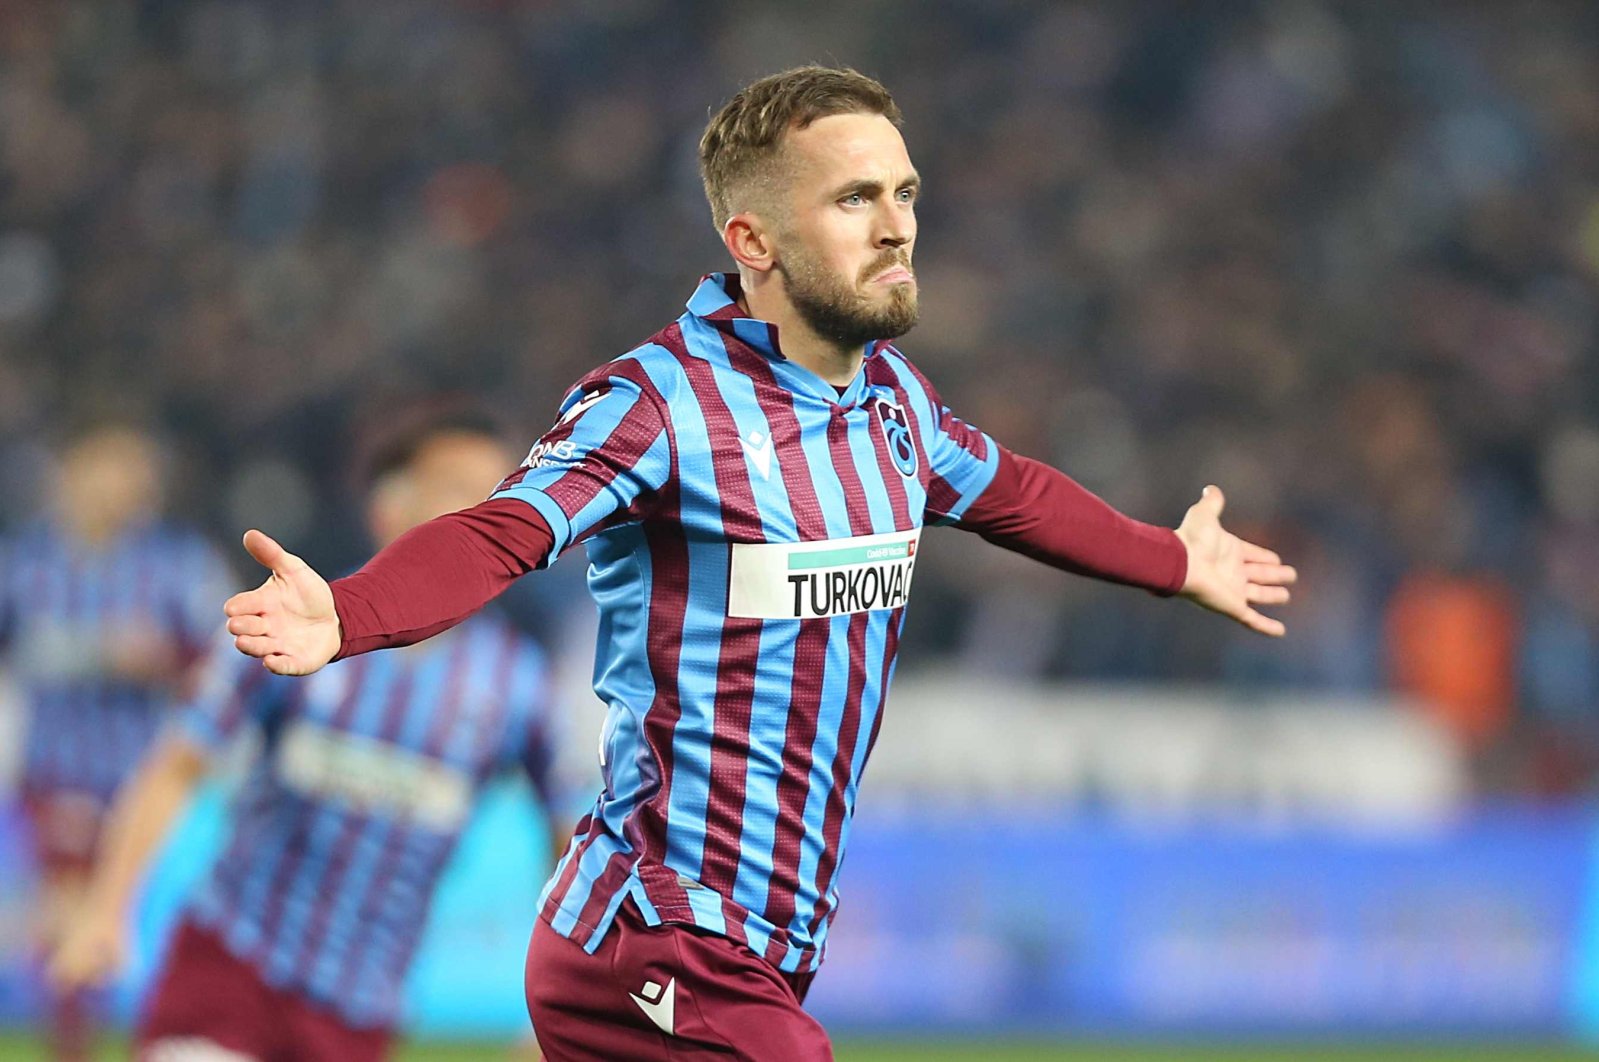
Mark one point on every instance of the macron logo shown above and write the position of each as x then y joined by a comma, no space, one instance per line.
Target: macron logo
588,400
759,449
657,1004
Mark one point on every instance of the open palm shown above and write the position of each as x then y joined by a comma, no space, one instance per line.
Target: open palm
288,621
1227,574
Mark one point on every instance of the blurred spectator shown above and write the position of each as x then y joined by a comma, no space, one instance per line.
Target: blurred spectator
102,610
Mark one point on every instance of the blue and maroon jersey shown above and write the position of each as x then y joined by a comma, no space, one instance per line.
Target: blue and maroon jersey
752,533
62,606
367,775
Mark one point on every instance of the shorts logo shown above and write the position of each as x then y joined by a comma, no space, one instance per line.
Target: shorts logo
897,433
658,1004
809,580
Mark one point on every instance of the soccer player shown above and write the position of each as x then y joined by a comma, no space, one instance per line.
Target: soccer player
102,611
752,484
298,944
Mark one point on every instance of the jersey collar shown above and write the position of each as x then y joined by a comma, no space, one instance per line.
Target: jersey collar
715,302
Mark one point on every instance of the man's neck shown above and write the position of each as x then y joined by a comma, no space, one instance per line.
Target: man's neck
800,343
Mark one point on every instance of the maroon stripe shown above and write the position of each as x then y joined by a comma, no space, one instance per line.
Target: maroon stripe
446,714
740,643
623,448
294,851
581,834
646,826
810,658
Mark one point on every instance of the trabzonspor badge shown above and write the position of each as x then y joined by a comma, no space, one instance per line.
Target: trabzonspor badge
897,433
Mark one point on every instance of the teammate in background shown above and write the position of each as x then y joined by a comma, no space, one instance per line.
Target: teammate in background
102,610
752,484
298,944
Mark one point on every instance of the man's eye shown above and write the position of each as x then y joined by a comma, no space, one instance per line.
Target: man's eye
853,199
907,195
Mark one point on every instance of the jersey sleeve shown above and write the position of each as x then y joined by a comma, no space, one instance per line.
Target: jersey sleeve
234,690
961,460
600,465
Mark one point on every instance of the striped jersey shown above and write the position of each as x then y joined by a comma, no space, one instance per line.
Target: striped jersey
63,606
752,533
366,778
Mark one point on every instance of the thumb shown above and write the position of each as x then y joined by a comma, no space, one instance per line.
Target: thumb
267,553
1212,500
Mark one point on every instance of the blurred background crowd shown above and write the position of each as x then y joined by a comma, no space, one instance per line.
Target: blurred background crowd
1339,258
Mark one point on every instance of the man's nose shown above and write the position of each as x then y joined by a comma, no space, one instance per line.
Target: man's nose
896,230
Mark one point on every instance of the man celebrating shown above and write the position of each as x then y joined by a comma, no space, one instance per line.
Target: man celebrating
752,484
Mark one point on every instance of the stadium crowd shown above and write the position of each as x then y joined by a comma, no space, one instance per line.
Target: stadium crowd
1342,259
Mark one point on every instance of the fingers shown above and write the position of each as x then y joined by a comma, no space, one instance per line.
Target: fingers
1271,574
1253,554
1263,624
1267,595
247,603
280,664
257,645
269,554
252,625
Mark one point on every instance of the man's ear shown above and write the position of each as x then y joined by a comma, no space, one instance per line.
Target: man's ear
749,240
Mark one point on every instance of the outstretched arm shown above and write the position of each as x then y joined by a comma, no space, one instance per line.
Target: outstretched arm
1042,513
426,581
95,946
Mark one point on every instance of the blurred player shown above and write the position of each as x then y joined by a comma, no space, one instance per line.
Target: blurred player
752,484
102,609
298,944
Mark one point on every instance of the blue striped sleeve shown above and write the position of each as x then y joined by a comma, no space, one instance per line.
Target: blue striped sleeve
962,460
608,452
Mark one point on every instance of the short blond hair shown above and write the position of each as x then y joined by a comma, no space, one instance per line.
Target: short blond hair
745,137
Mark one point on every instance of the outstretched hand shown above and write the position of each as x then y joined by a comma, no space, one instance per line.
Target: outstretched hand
289,620
1227,574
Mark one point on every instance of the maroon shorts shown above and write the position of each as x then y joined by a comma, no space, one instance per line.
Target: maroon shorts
669,992
66,827
209,1002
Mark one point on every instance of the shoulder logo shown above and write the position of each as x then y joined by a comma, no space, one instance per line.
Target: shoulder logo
758,448
578,407
658,1004
897,434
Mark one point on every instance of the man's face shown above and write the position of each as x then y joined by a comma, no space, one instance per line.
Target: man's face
453,470
107,481
844,243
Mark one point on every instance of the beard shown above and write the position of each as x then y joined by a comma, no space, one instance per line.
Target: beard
835,309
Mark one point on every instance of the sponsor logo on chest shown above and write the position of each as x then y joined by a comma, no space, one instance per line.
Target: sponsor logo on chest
374,776
836,577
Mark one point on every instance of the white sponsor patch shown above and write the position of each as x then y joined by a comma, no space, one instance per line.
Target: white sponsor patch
836,577
190,1049
374,776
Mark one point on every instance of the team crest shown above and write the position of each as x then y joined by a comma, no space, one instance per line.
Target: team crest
897,433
